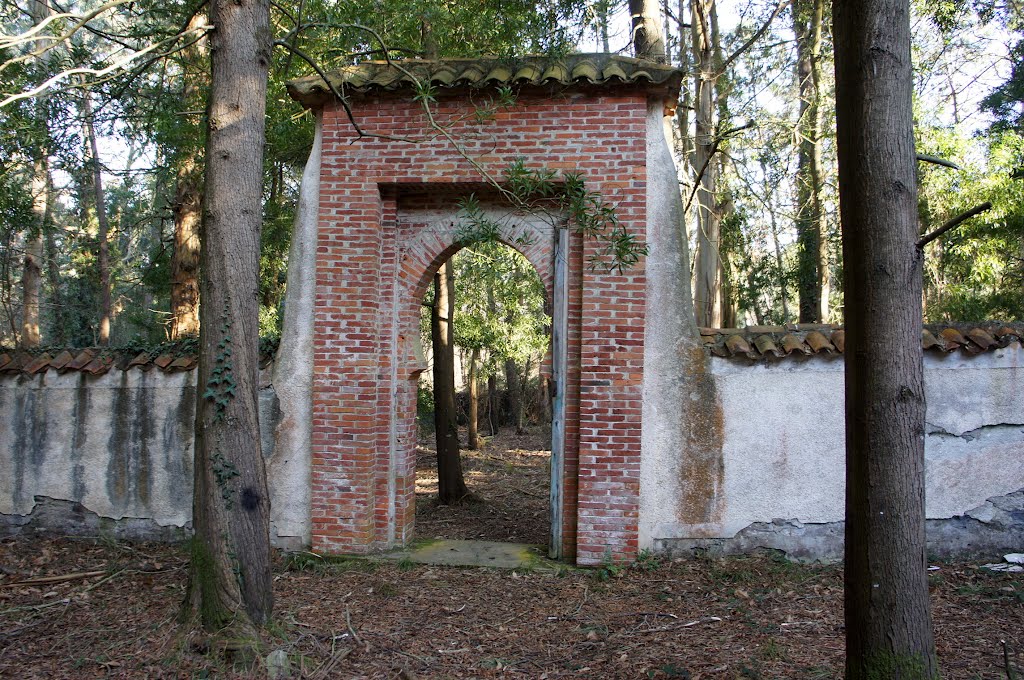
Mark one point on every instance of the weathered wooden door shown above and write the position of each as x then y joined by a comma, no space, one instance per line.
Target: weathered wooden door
559,355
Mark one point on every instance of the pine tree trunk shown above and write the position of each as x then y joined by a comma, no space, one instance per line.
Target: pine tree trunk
812,269
99,200
58,332
493,412
451,487
31,273
188,200
185,257
473,436
230,580
888,625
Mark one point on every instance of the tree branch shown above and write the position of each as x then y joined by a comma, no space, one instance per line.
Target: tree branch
937,161
953,223
754,38
714,149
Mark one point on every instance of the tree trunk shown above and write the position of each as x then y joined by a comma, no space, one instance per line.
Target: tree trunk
888,625
58,331
493,414
451,487
472,427
812,269
31,273
708,275
230,581
185,257
515,394
648,42
188,200
99,199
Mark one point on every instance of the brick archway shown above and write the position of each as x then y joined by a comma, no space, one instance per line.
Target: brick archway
383,230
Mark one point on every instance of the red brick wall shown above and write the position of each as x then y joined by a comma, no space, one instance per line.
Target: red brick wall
378,248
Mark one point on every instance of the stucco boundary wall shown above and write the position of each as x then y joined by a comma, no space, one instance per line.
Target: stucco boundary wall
784,458
112,455
108,455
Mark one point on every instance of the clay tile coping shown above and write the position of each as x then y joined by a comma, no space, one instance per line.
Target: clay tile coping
824,340
538,71
38,364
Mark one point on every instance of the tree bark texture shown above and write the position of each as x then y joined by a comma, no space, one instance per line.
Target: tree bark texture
31,273
708,263
230,577
58,331
516,398
451,487
188,200
103,224
648,41
812,255
888,625
472,427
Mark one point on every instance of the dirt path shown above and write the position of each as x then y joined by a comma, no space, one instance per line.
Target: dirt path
509,480
754,617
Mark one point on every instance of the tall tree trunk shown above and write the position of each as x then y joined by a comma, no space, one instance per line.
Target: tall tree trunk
185,257
188,206
451,487
99,200
648,42
58,330
888,624
31,273
514,385
230,579
472,427
708,274
812,260
493,414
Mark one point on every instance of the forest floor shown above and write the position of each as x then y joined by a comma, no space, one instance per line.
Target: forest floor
109,609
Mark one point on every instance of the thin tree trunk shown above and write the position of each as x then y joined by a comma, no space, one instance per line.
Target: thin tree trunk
492,404
812,269
451,487
888,624
31,273
230,582
58,332
188,200
99,200
708,275
514,385
472,427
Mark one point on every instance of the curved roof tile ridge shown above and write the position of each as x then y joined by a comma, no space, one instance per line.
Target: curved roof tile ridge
777,342
561,71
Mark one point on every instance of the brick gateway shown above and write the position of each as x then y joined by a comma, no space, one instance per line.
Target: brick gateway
392,170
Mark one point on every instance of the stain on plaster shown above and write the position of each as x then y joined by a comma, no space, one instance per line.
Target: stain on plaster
703,467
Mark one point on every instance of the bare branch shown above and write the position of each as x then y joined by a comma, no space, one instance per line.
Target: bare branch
31,34
98,73
953,223
714,149
754,38
925,158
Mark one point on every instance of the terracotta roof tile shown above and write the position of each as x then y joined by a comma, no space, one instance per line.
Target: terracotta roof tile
5,359
38,364
164,360
81,360
141,359
99,365
819,343
764,342
792,343
567,71
839,340
61,360
17,362
182,364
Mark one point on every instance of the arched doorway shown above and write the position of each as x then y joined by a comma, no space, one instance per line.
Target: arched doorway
495,376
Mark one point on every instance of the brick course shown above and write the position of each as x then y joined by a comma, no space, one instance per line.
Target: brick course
384,231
